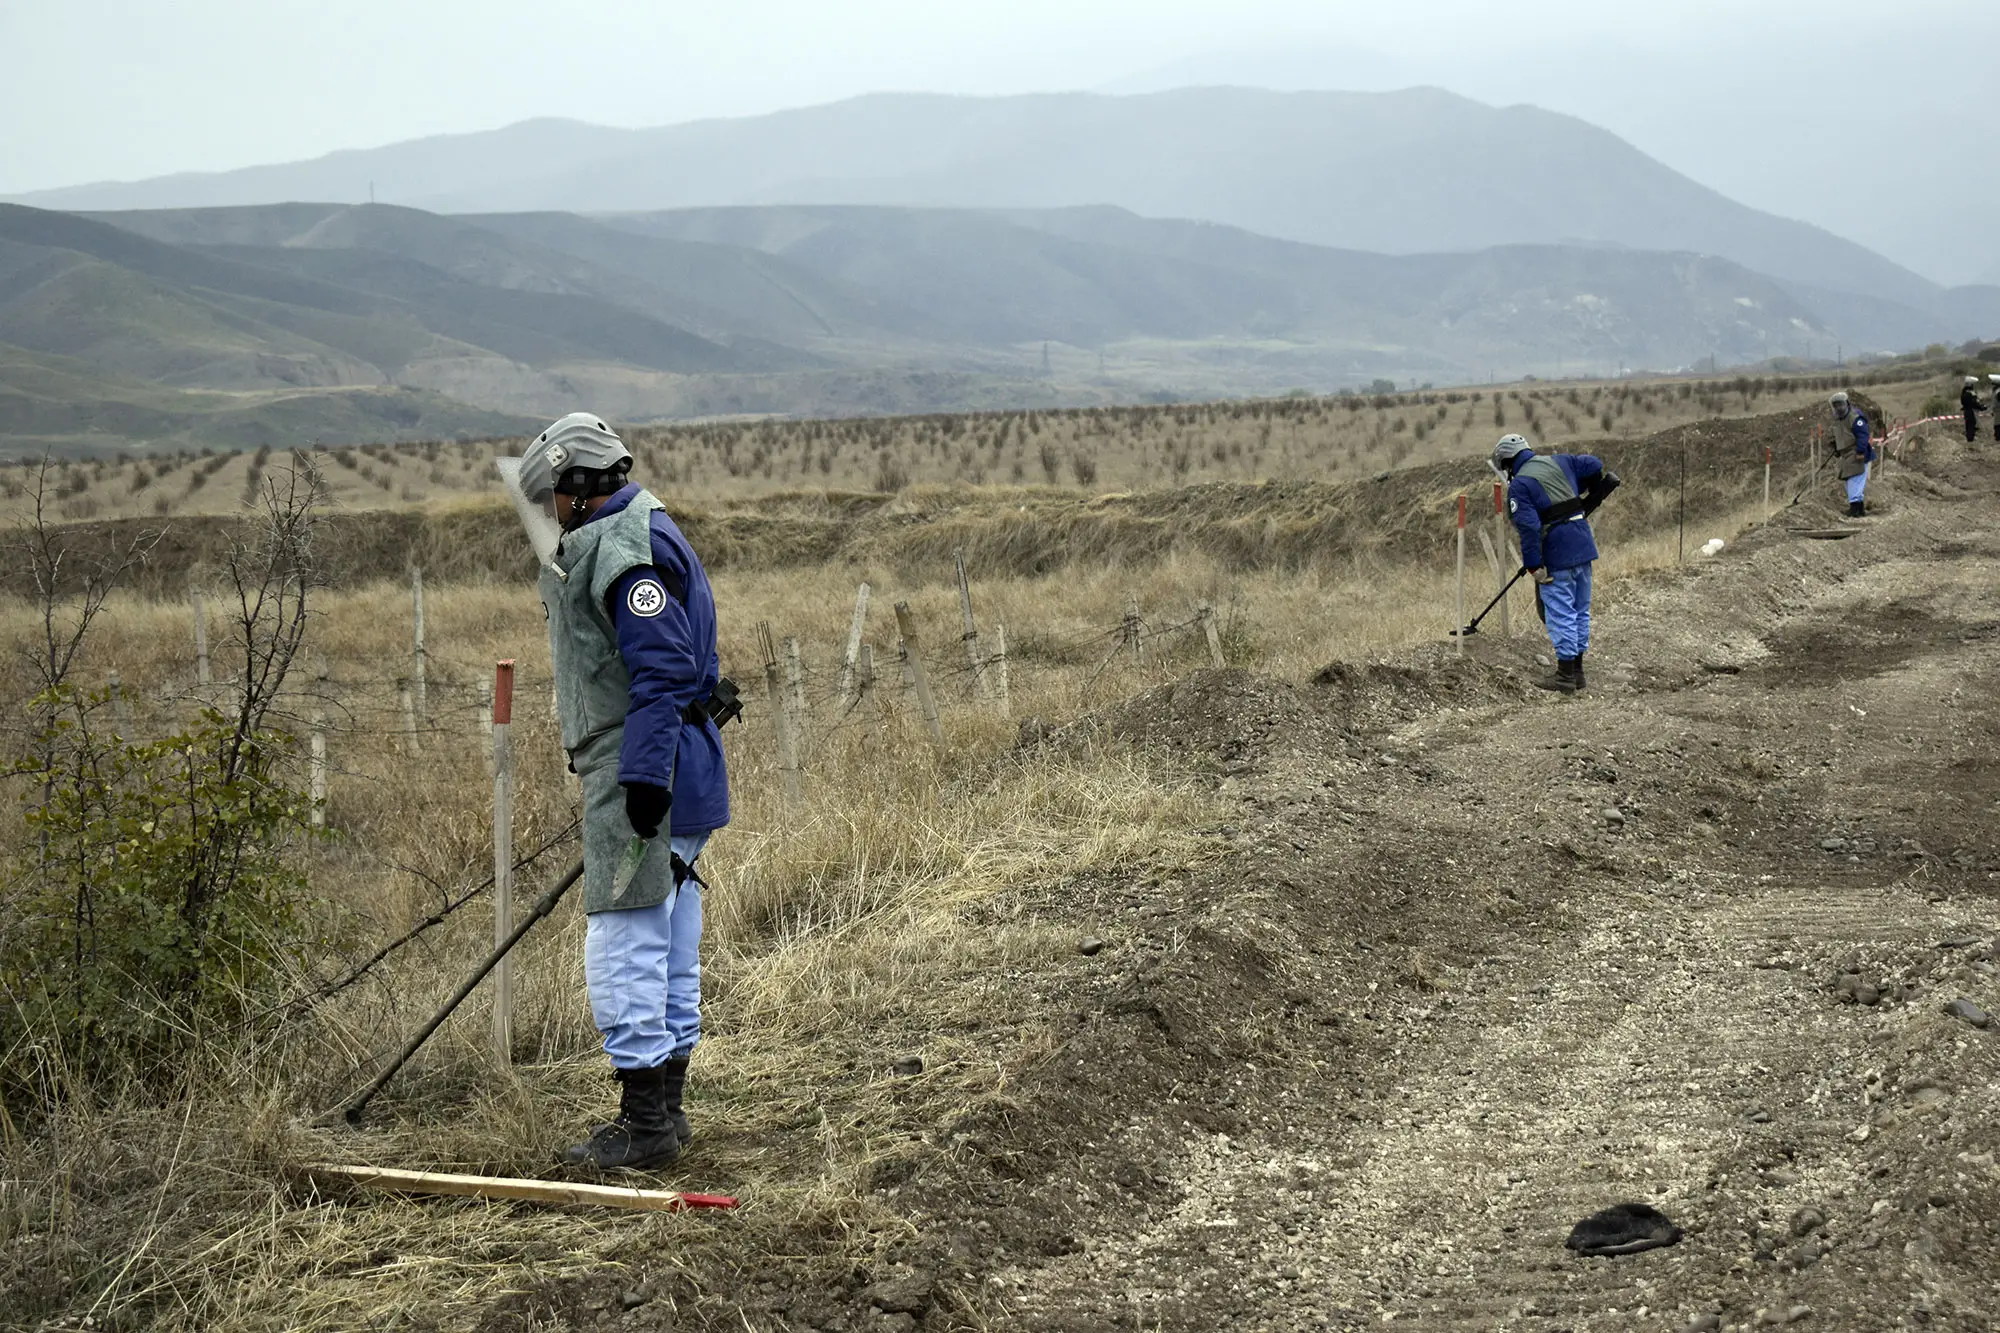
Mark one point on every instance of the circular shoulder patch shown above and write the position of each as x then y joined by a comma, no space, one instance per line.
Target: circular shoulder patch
646,598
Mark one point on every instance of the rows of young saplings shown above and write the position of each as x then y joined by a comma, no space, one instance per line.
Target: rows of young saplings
1102,448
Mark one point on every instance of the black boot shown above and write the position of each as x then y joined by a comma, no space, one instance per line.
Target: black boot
643,1136
1577,673
674,1080
1568,679
1856,509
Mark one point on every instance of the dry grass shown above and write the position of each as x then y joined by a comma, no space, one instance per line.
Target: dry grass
908,907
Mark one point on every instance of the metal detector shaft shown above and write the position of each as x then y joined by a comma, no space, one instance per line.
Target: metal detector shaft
1473,628
543,906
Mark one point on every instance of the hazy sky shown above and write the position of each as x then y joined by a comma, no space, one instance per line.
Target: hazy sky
1859,116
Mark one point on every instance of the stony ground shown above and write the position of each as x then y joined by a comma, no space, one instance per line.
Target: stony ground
1480,961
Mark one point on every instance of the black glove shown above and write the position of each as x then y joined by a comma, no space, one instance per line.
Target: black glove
1604,483
646,806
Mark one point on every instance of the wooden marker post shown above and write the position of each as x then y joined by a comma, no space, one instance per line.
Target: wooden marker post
316,773
201,676
907,624
1460,594
848,661
503,858
1500,566
1767,483
418,663
973,657
486,712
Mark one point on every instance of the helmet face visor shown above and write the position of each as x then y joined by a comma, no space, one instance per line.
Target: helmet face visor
530,491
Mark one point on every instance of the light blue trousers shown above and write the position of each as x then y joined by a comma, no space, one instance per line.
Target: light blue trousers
643,969
1856,487
1566,610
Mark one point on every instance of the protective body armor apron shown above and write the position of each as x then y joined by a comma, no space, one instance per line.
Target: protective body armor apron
1555,482
593,688
1852,464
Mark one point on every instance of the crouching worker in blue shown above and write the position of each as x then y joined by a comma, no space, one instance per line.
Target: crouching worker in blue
1550,500
640,699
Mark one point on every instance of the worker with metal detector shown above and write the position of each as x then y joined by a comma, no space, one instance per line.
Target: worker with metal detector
1852,451
1550,500
640,699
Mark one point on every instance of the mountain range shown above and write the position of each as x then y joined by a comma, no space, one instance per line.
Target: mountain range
910,253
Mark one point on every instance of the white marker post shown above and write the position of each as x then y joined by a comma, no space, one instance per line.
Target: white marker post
503,858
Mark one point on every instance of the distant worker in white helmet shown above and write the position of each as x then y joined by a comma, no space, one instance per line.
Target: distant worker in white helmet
1853,451
1968,403
1550,500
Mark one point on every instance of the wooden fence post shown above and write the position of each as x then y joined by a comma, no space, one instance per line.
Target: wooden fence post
907,624
795,699
1767,483
502,719
973,657
201,674
121,712
1500,536
316,780
999,664
864,691
418,665
1207,617
850,658
408,704
1130,626
774,691
1460,622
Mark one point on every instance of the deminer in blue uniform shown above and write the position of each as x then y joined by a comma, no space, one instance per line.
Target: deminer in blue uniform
639,696
1853,451
1550,499
1969,404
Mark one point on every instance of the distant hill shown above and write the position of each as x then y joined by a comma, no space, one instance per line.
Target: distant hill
284,323
1415,171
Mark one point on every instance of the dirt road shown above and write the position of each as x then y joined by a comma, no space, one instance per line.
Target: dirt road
1485,961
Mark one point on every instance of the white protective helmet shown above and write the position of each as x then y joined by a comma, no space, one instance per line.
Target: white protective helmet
578,455
1506,451
1972,381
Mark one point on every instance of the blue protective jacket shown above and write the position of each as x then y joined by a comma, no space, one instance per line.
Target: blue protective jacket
672,659
1562,545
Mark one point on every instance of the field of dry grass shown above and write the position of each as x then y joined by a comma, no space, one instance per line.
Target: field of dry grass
894,913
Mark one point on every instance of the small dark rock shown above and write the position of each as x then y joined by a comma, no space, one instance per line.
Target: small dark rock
1970,1012
1833,844
1090,946
1807,1220
907,1295
1758,1116
1867,994
908,1067
632,1300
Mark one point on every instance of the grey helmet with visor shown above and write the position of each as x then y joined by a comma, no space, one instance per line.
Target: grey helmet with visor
1505,452
579,456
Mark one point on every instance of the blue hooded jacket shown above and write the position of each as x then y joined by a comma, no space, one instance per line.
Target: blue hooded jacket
1564,545
672,659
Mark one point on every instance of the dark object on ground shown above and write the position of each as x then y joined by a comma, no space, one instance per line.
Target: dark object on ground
1627,1228
1970,1012
644,1135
